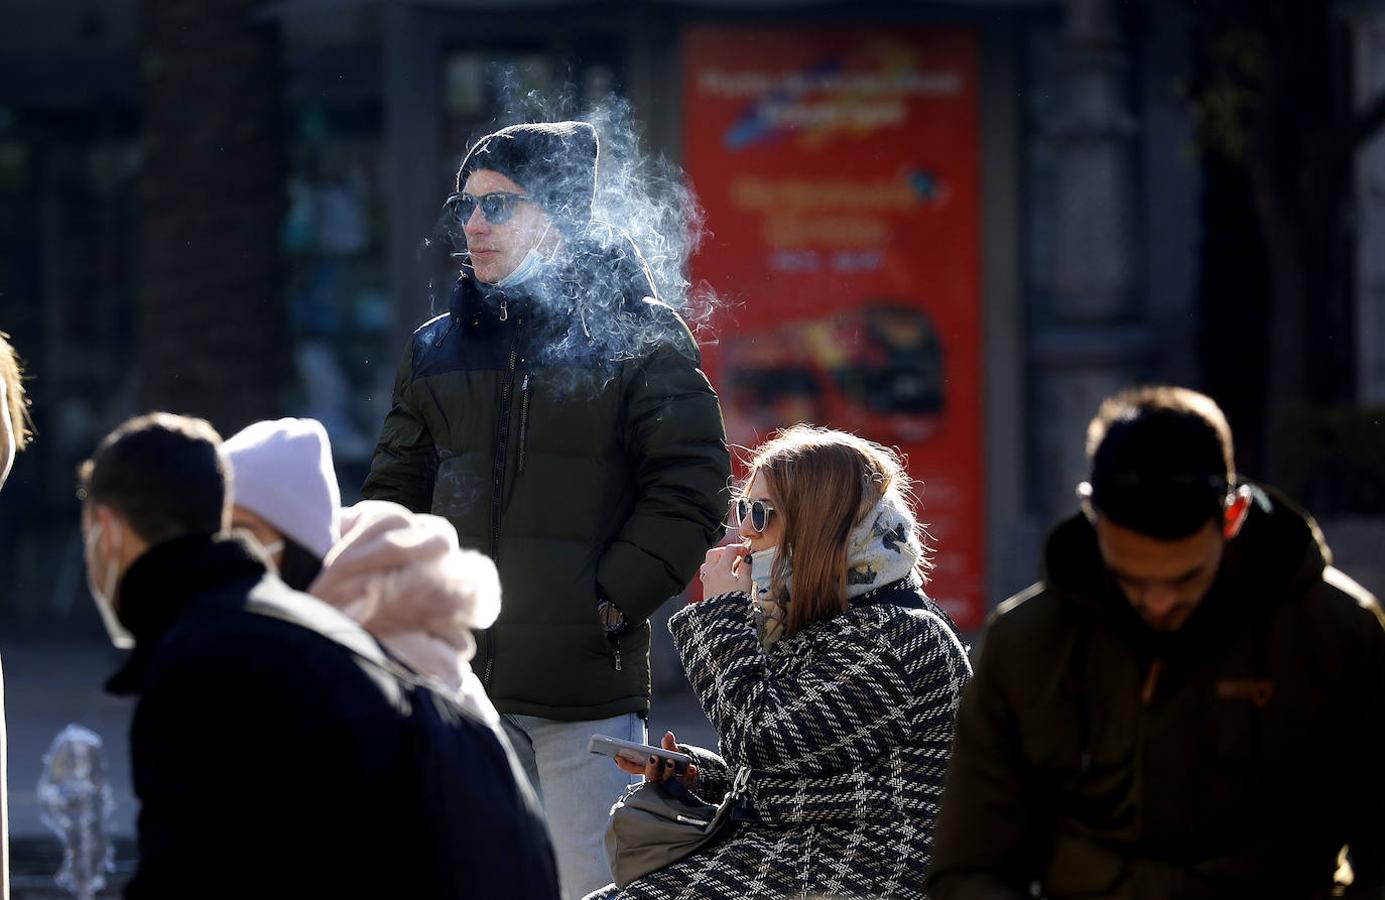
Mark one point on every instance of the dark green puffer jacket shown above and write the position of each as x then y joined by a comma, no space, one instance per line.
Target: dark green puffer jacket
566,430
1231,759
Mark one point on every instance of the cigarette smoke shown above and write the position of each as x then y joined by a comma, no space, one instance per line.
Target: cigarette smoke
646,223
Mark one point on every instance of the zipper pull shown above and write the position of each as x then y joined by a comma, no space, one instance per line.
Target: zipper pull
615,652
504,311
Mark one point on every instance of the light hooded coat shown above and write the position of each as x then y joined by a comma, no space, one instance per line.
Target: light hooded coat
402,576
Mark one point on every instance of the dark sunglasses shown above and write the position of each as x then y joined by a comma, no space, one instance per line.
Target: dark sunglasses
757,510
497,206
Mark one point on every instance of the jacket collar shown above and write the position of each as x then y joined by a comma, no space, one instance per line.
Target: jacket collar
473,302
594,274
160,585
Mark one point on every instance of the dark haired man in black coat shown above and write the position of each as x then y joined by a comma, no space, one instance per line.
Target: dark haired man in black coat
277,751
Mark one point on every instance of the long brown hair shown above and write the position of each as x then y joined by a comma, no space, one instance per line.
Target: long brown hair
822,482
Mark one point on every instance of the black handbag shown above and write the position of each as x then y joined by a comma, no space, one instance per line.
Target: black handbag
655,824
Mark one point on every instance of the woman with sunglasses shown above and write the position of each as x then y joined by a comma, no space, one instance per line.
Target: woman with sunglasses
828,674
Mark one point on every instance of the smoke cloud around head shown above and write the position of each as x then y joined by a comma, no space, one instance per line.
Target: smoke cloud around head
642,225
650,198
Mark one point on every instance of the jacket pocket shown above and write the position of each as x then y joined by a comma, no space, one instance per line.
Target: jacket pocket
1079,867
613,627
1241,723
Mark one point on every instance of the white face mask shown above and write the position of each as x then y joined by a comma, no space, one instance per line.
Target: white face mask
762,569
528,267
104,593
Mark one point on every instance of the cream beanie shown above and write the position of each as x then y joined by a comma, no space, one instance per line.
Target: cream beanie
283,473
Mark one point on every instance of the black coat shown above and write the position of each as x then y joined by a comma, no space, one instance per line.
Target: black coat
566,430
272,760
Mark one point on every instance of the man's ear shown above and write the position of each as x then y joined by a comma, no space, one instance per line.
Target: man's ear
111,522
1237,509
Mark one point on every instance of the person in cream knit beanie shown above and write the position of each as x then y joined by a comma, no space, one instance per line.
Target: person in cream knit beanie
398,574
285,493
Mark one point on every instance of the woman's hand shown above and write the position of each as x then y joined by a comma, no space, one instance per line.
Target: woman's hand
725,569
657,769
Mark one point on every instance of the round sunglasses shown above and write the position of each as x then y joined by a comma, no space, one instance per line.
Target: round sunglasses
497,206
758,512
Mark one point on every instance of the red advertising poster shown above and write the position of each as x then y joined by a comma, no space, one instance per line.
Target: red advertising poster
839,172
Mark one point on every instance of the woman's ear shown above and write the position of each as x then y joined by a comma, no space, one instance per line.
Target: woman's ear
1237,509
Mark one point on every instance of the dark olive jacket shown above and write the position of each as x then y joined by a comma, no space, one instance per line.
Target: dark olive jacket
1232,758
566,430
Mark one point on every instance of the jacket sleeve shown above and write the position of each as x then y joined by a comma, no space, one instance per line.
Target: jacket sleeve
1365,829
681,469
985,831
855,702
404,463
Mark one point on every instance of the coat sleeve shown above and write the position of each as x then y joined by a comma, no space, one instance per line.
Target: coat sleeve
713,775
855,702
681,468
405,460
985,831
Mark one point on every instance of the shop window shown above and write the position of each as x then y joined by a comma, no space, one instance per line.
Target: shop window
334,243
67,284
486,87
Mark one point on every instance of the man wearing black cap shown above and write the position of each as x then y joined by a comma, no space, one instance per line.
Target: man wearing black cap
558,416
1189,703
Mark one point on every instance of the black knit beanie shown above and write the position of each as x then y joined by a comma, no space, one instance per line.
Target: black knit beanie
554,162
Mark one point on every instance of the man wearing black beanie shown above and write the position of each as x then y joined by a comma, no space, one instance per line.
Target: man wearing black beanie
558,416
1189,703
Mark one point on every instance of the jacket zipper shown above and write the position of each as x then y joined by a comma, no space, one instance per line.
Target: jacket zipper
523,420
1148,689
1151,681
502,433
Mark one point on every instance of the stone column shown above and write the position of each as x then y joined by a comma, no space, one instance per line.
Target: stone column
1092,341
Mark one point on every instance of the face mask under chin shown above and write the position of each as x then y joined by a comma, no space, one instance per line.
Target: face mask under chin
532,263
103,592
762,569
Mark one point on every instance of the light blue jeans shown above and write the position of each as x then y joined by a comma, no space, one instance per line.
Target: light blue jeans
576,788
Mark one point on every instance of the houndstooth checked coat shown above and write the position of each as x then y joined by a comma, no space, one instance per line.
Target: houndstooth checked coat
846,728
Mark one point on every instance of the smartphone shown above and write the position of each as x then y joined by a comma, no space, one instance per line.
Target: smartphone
633,752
